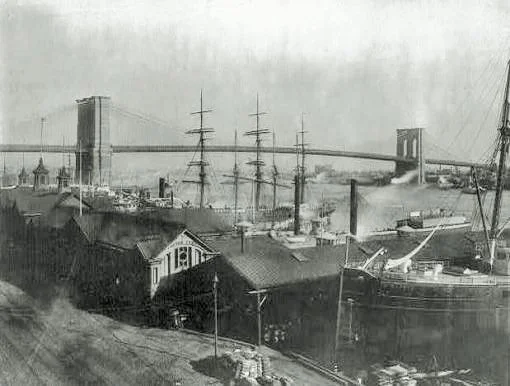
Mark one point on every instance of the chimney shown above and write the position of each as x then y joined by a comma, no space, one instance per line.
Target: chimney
296,205
354,207
162,187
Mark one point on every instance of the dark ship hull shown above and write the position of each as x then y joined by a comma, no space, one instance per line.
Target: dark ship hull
465,325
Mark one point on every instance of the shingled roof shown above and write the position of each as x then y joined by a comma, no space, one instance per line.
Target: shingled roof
266,263
54,209
128,231
125,230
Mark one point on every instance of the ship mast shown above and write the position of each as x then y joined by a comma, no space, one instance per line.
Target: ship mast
202,163
503,150
298,167
275,176
3,174
258,163
302,182
41,141
236,179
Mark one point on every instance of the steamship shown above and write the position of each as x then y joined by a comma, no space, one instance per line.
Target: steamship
425,221
459,310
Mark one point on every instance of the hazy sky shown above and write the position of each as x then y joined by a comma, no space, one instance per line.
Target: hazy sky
357,69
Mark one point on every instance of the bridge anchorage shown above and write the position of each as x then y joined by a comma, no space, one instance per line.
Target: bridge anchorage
94,148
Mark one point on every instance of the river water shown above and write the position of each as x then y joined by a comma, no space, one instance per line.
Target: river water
378,207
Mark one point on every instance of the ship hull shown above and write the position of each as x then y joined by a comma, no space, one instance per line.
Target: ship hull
464,325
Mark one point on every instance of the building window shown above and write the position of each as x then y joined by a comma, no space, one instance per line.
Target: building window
155,275
184,257
176,257
198,256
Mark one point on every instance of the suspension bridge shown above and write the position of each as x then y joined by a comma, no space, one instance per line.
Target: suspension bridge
94,147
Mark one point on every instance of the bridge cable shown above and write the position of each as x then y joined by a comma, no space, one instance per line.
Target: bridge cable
492,83
140,115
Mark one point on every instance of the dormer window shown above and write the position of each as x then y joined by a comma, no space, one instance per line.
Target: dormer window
183,257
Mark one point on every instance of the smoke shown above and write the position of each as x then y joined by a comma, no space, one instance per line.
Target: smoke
406,178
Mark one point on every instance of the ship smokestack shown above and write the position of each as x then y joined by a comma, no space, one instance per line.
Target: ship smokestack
354,207
296,205
162,183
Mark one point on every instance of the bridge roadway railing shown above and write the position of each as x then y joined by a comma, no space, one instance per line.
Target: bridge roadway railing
27,148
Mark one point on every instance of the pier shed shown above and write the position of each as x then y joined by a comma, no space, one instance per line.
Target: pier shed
298,289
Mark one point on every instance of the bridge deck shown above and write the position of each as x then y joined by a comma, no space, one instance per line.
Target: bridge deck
23,148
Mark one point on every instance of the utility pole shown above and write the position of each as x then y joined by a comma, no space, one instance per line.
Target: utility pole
258,163
215,289
260,302
202,163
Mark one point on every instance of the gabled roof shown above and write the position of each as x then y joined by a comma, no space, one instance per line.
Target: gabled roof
127,231
151,247
266,263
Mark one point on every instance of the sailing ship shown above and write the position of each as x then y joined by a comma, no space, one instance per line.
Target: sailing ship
276,216
411,304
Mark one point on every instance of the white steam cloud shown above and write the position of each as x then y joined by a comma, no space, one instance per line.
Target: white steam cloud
406,178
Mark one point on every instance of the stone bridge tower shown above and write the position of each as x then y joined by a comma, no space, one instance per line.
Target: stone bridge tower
410,146
94,141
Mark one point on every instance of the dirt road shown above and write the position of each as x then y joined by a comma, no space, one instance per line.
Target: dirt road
60,345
